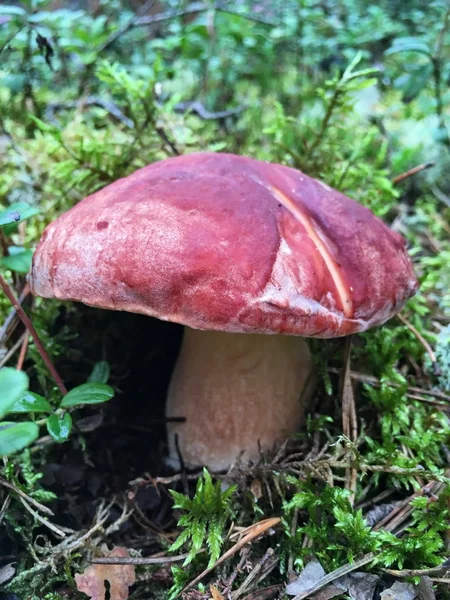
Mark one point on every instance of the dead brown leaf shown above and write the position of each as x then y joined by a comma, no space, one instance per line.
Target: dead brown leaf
95,579
215,594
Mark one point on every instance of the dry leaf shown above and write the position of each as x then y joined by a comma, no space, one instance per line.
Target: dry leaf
215,594
119,577
308,578
7,572
425,589
358,585
399,591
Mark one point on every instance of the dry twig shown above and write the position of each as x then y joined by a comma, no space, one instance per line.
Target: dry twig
349,419
34,334
412,171
254,531
21,494
419,336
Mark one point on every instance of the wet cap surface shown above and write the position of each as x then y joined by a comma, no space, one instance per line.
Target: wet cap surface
218,241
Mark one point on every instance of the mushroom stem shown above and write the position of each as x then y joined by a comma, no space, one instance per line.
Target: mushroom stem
237,392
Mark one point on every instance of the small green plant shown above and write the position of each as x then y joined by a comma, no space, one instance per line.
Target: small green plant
15,398
15,258
337,533
206,515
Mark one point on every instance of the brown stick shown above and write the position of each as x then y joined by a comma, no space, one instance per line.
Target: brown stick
419,336
349,418
254,531
23,352
34,334
411,390
412,171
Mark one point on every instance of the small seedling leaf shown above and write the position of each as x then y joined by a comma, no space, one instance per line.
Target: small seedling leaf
100,372
13,385
87,393
16,436
31,403
19,259
9,216
408,44
59,427
14,214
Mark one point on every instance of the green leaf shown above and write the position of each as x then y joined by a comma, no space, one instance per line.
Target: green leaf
19,259
29,403
100,372
408,44
20,209
9,216
47,128
12,10
59,427
16,436
25,210
13,385
415,82
87,393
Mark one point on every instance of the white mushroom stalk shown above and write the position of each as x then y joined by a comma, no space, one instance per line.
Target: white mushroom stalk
238,393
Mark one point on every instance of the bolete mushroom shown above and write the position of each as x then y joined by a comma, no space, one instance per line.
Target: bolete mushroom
234,249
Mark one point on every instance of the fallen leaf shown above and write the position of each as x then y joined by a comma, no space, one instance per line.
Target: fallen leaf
359,585
119,577
399,591
425,588
7,572
328,592
309,576
215,594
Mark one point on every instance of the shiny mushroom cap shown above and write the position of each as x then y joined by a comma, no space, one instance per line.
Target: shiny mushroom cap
227,243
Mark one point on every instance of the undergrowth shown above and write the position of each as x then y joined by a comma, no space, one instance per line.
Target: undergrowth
354,95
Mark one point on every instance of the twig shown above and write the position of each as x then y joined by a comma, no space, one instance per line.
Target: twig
412,171
65,547
257,530
440,195
23,352
198,108
228,584
418,572
294,523
11,37
158,560
348,568
265,565
4,333
396,515
419,336
29,325
193,9
107,105
13,349
349,419
19,492
128,25
43,520
264,594
372,380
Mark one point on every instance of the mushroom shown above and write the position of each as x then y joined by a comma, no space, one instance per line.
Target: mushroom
234,249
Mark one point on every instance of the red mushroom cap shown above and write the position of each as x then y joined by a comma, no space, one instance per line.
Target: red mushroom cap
223,242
